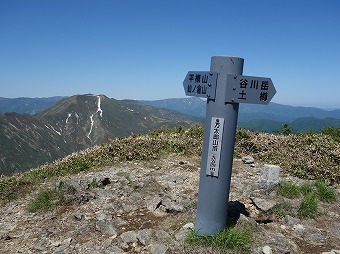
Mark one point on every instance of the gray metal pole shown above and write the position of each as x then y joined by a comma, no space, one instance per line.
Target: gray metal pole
213,194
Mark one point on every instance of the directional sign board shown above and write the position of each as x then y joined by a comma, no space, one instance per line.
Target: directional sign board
248,89
200,84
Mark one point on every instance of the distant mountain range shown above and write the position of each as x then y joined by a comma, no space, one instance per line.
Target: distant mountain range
297,125
261,117
282,113
76,123
192,106
27,105
40,130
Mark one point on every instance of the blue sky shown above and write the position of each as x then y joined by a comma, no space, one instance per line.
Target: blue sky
143,49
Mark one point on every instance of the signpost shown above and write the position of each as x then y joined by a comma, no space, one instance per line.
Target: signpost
200,84
224,87
247,89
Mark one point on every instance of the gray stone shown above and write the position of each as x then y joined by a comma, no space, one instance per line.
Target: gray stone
144,236
291,220
101,215
181,235
264,205
107,243
189,225
40,246
103,193
267,250
172,206
162,236
315,237
85,197
336,251
335,229
64,245
278,242
248,159
298,229
119,222
129,237
114,250
246,221
129,207
153,203
158,248
106,228
270,177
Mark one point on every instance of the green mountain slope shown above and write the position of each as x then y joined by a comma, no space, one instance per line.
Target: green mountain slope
73,124
27,141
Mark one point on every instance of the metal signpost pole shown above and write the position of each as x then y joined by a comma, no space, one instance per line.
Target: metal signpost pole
225,87
218,150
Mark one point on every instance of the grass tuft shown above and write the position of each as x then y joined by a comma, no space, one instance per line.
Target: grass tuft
312,193
309,206
306,188
232,238
325,193
48,199
43,201
288,189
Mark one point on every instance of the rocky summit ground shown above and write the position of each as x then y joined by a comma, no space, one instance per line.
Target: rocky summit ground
149,207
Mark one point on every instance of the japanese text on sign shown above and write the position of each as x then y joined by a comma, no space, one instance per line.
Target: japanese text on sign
215,142
254,84
200,84
248,89
197,83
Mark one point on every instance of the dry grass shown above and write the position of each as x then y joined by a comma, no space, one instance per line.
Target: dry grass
312,155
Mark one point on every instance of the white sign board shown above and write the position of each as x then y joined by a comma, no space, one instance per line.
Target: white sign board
200,84
248,89
215,142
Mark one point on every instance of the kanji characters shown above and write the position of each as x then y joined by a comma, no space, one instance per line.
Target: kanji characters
243,83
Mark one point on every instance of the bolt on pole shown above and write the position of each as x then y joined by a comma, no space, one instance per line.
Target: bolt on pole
218,151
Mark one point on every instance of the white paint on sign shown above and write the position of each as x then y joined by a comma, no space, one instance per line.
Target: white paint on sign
200,84
215,142
248,89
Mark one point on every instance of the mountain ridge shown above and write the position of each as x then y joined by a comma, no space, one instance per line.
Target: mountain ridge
272,111
76,123
26,105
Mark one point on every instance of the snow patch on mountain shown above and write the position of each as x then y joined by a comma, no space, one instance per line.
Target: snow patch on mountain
99,108
68,116
92,122
59,133
77,116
